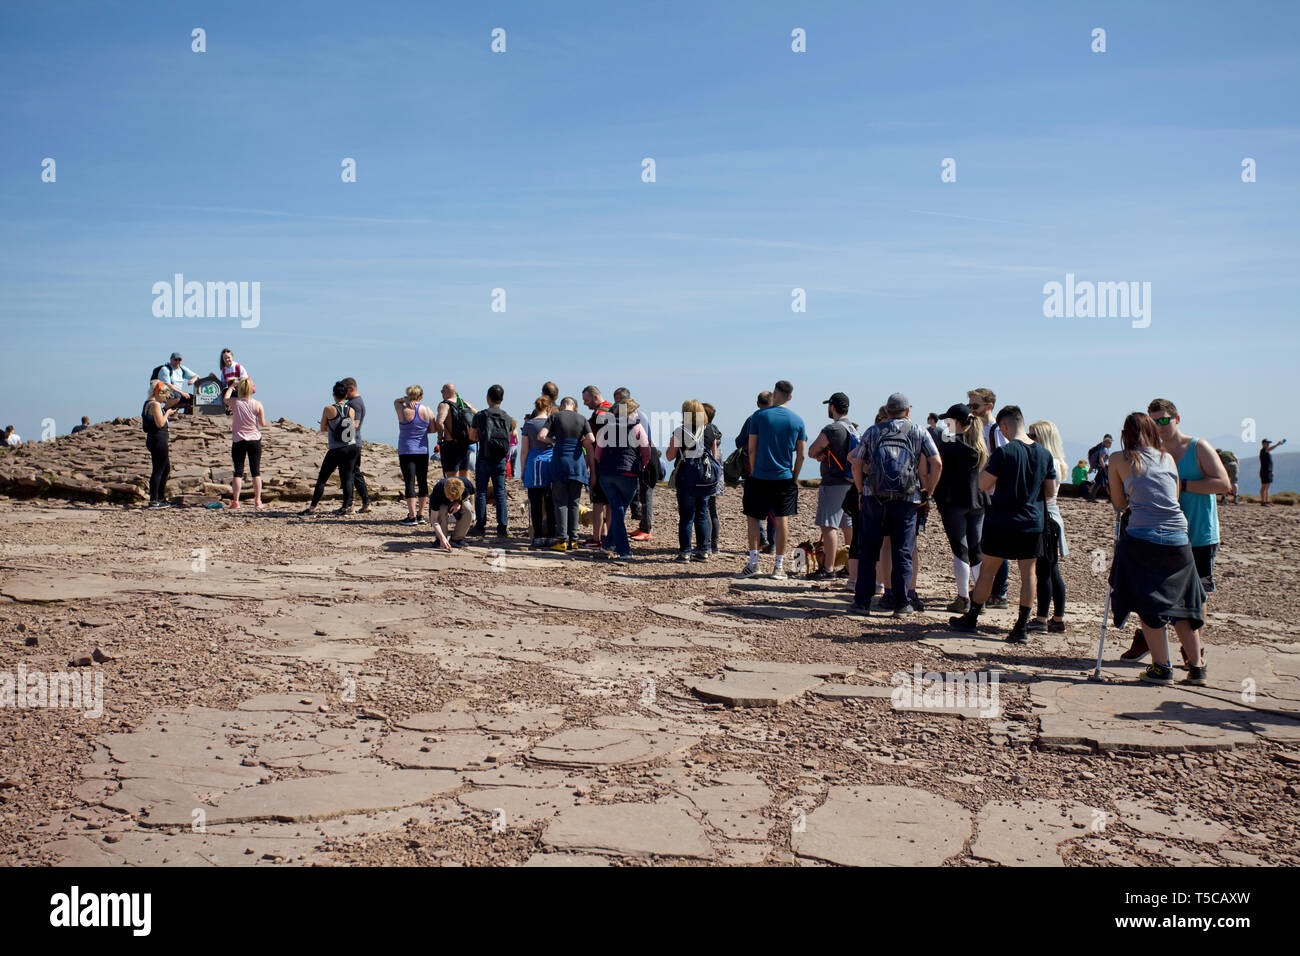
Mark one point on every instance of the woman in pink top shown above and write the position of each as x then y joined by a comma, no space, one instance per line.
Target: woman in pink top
247,417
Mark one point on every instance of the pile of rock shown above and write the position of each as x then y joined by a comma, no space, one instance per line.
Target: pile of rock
109,462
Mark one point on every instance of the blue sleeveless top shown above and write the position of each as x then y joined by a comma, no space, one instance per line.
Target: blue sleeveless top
413,436
1202,510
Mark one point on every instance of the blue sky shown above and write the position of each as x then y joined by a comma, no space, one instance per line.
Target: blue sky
775,170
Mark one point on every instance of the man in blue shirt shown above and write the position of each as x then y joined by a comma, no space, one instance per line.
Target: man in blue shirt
177,376
776,452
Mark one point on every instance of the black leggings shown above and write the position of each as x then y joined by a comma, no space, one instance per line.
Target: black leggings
1051,586
162,467
963,526
713,522
345,460
566,496
415,469
542,511
253,449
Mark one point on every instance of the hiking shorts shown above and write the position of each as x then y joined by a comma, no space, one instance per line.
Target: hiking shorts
1011,545
455,456
779,496
830,507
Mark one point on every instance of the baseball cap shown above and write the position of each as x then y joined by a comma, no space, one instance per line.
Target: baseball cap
897,403
176,356
958,412
839,400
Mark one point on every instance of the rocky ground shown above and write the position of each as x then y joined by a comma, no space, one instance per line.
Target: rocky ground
279,690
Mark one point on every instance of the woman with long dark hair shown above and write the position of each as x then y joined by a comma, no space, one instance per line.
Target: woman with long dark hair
1154,573
957,496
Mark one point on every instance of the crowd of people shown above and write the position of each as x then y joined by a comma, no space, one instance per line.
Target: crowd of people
992,476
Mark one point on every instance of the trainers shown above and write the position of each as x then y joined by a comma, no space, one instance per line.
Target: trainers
408,521
560,546
683,557
342,511
1196,676
1036,626
779,574
997,601
1157,674
915,602
419,519
959,606
502,533
365,508
1139,648
700,556
459,543
766,549
842,573
904,610
1055,627
640,536
748,571
861,610
1017,636
821,574
476,532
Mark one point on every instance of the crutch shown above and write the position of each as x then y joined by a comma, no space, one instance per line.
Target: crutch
1105,614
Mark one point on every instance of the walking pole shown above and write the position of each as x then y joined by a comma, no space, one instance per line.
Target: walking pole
1105,615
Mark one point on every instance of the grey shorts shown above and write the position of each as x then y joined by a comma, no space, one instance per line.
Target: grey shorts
830,507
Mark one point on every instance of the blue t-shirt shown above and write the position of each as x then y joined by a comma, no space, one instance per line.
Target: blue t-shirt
778,430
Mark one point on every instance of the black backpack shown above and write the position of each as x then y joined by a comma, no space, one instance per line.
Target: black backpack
460,420
653,473
153,376
495,441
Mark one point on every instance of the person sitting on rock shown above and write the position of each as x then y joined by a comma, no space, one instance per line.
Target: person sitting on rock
230,370
10,439
175,376
85,423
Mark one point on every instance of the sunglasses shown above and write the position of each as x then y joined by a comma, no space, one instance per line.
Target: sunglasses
1164,421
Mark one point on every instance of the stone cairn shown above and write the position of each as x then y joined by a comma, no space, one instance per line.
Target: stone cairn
108,462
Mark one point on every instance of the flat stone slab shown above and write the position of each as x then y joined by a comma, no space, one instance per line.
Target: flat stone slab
519,806
683,613
457,750
1181,823
796,668
607,747
1132,716
306,703
1029,833
515,723
570,599
853,691
566,859
628,829
883,826
753,689
320,798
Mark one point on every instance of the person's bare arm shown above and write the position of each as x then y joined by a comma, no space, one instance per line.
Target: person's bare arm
859,473
404,412
799,448
1050,485
987,481
1117,496
817,451
1215,475
325,417
524,442
437,530
261,415
752,449
671,451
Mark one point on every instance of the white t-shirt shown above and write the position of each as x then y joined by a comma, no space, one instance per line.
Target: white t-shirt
993,437
14,440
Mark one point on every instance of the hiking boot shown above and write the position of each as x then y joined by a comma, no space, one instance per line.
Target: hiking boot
502,533
748,571
1036,627
1139,648
997,601
365,508
1018,635
1195,676
1157,674
779,575
959,605
1055,627
968,623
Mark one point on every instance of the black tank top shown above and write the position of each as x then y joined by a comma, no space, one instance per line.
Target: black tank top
150,427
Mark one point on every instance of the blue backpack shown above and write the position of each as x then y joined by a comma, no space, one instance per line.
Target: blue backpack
894,464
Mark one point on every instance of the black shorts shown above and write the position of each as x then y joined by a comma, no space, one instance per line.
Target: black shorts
253,449
597,492
1265,477
779,496
455,456
1203,555
1010,545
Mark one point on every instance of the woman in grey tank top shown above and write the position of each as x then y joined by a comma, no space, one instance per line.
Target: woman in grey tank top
1154,574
